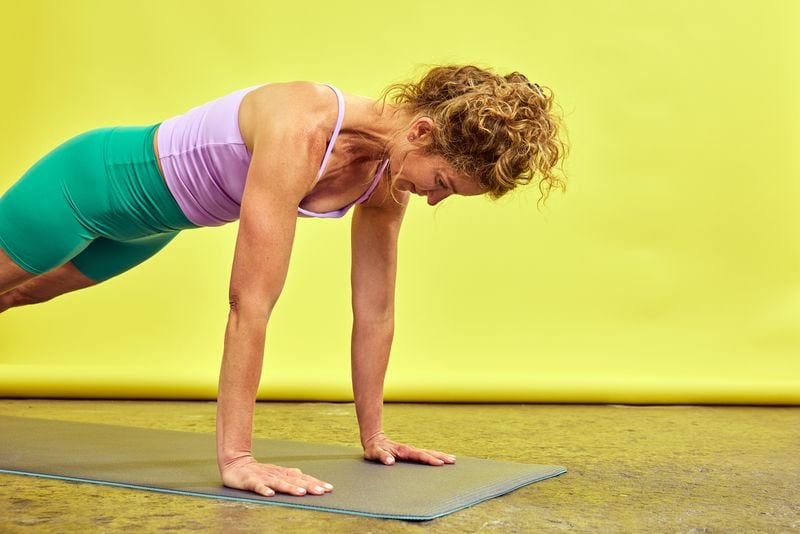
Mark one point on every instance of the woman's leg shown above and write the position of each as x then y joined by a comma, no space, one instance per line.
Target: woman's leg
101,260
11,274
41,223
98,200
106,258
46,286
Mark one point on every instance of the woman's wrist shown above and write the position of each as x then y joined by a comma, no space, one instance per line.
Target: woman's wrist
370,422
372,437
225,458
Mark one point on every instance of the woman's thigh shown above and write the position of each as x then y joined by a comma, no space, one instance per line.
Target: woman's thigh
45,215
11,274
98,197
105,258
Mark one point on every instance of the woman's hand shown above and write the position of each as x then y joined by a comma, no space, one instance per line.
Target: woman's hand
379,448
265,479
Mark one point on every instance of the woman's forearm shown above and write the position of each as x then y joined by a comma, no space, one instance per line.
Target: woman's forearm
240,373
370,345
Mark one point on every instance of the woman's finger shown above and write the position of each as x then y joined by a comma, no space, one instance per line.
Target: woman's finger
262,489
419,455
312,485
284,486
268,479
382,454
294,478
311,480
446,458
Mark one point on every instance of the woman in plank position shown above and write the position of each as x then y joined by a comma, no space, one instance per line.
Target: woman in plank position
108,199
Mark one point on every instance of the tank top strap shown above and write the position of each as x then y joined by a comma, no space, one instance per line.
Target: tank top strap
374,184
338,127
342,211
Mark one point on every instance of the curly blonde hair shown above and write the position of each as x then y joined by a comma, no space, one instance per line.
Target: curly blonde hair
499,130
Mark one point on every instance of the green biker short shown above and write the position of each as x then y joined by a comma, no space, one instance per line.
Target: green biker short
98,200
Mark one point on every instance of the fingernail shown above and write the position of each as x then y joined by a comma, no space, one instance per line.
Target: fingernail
328,486
301,490
389,460
318,488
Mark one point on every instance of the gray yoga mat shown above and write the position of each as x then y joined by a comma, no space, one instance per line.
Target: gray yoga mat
184,463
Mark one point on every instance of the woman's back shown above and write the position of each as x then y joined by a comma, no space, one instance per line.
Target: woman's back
204,157
205,160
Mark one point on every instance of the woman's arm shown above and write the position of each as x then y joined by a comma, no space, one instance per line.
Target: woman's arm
282,169
375,229
374,235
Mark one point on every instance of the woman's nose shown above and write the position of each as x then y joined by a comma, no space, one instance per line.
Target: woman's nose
436,197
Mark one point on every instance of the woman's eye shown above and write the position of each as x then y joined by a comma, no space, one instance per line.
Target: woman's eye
441,183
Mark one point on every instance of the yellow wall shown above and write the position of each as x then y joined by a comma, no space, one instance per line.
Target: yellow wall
669,272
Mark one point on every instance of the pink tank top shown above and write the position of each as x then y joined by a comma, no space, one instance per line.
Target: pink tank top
205,160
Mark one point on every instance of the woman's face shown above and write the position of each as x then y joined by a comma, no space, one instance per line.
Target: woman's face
430,176
433,177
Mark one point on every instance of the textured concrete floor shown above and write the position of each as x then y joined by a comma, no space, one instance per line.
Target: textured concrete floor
631,469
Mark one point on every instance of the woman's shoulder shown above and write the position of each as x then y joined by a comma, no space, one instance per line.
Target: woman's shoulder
298,91
306,104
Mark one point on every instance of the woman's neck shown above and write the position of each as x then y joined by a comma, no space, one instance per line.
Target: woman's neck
374,131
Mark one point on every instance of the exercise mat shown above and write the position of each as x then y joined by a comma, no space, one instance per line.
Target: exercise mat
185,463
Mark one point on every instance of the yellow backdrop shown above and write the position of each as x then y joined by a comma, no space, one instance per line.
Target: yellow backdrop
669,272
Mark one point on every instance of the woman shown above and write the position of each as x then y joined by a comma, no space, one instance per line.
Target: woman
108,199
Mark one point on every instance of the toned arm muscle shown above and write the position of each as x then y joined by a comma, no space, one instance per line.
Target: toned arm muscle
281,171
374,242
374,235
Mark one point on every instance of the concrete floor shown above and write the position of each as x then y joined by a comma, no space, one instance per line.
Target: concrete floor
631,469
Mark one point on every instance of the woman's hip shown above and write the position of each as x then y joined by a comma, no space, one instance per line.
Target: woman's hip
109,178
140,202
104,182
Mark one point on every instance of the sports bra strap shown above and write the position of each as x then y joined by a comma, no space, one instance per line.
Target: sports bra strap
375,181
335,132
341,211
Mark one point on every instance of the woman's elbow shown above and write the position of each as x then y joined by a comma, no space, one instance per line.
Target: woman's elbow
374,314
246,308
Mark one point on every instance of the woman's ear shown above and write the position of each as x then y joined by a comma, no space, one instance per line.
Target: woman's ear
421,129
